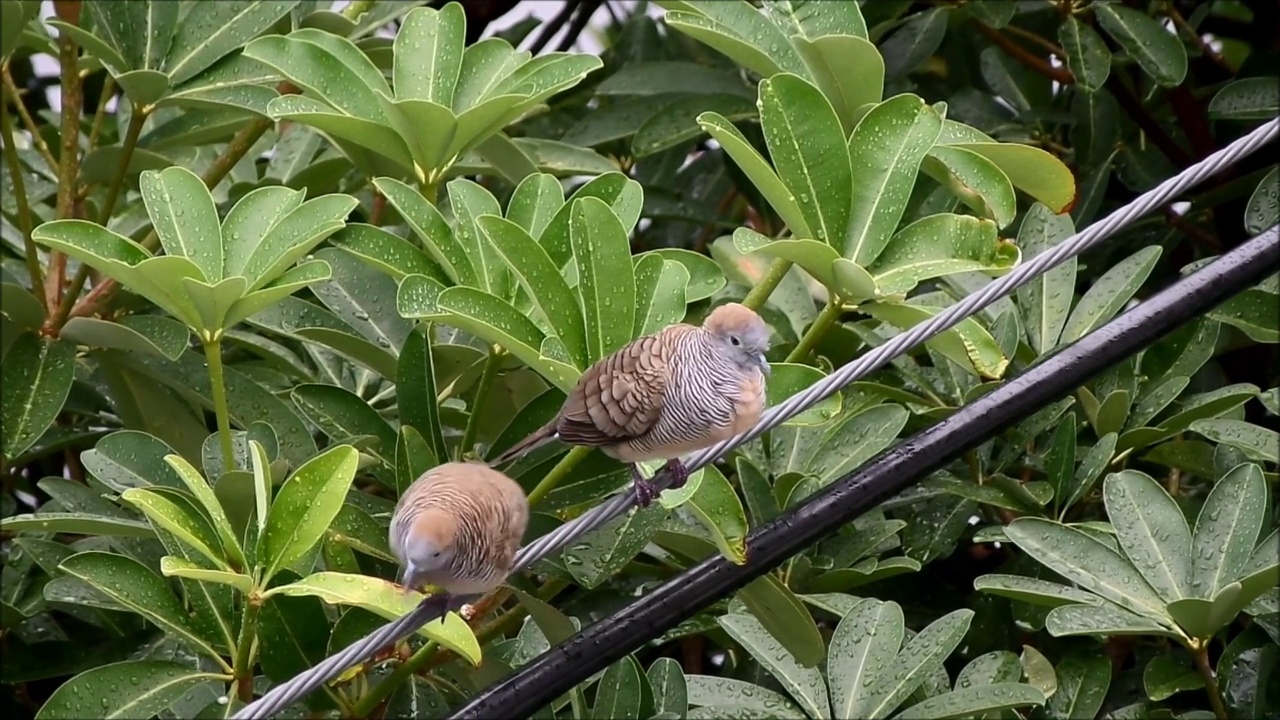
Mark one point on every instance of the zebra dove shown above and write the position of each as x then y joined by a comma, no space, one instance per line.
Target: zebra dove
663,395
458,527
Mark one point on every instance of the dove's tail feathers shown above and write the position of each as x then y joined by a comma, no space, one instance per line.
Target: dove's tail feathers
540,437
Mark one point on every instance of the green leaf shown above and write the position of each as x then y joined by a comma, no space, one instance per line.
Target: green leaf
939,245
177,567
389,253
539,277
856,439
666,77
1110,293
808,149
1151,530
660,293
1167,675
306,505
914,42
1226,530
497,321
209,502
430,227
972,701
129,689
1089,563
602,553
1083,681
785,617
816,258
968,344
920,657
416,391
35,380
1259,443
974,180
535,201
1159,51
828,58
676,121
428,54
184,217
618,191
386,600
1088,58
670,688
738,30
14,18
804,684
705,277
817,20
209,32
715,503
1103,621
885,151
141,333
758,171
341,414
76,523
994,667
867,639
1252,98
606,282
618,694
193,530
20,307
134,585
1046,300
469,201
727,695
787,379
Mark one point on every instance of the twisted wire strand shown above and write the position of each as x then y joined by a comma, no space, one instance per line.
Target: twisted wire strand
285,694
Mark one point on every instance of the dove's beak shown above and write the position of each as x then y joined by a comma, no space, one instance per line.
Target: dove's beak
764,365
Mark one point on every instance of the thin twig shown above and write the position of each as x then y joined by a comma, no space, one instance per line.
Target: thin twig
37,140
586,9
1197,40
1024,56
552,26
20,196
69,153
108,88
1131,105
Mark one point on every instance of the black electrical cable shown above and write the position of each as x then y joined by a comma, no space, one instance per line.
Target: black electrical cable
562,667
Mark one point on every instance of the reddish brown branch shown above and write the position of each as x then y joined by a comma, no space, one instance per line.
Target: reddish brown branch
1029,59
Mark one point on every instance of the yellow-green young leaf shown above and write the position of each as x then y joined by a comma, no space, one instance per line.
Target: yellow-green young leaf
123,690
495,320
1158,50
195,532
939,245
185,219
305,507
428,54
386,600
785,617
968,344
162,281
1031,170
535,272
787,379
885,151
36,374
171,566
137,587
204,494
758,170
828,59
262,483
813,256
975,180
808,148
606,280
716,504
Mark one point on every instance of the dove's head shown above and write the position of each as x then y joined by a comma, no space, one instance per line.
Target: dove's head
429,546
743,335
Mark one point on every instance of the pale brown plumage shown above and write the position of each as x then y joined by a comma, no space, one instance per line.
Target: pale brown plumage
458,527
664,395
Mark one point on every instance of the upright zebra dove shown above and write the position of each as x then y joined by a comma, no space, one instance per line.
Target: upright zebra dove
664,395
458,527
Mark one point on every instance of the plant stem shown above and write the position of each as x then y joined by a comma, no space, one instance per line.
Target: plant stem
69,152
37,140
20,196
816,331
383,690
213,356
763,289
558,473
357,8
490,372
108,88
137,119
1201,655
243,668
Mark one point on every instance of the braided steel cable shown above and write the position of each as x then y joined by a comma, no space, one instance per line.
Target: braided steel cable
287,693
